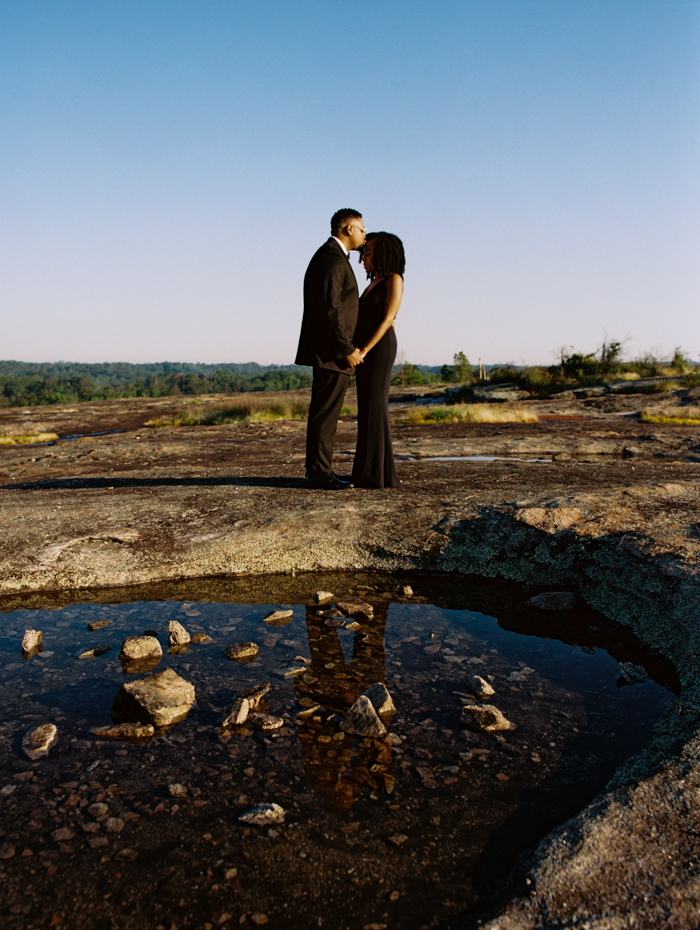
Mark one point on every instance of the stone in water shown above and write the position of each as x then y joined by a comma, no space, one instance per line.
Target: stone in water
352,607
278,617
95,652
160,699
381,699
31,642
140,647
362,719
238,714
241,652
479,687
128,731
484,718
632,674
201,638
255,694
38,742
98,625
177,634
264,815
266,721
323,597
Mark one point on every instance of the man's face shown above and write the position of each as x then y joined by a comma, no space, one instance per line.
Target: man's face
356,233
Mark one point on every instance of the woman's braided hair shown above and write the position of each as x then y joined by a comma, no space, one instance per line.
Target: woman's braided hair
389,257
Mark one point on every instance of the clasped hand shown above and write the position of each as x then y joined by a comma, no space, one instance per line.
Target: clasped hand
355,358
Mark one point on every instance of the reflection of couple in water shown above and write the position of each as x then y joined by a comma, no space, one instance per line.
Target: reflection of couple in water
330,760
342,334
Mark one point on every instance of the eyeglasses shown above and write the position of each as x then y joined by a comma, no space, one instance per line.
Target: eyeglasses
361,228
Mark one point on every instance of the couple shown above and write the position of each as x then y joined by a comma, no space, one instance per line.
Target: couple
342,333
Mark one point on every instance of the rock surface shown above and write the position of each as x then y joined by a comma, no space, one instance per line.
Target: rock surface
39,741
161,699
264,815
616,520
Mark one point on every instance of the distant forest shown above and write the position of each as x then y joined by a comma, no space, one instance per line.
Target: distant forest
28,383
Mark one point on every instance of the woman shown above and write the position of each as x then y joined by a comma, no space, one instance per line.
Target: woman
384,261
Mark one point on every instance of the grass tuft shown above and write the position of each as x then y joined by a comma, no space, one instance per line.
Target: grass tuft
682,417
24,439
471,413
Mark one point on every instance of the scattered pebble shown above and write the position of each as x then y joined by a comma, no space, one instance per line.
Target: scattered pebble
31,641
255,694
177,790
98,810
479,687
177,634
237,714
398,838
278,617
241,652
38,742
484,718
266,721
323,597
62,835
98,625
201,638
355,608
94,652
127,731
263,815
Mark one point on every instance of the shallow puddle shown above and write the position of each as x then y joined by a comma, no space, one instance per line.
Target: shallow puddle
409,830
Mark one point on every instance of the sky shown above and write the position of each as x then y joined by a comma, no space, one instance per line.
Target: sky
168,168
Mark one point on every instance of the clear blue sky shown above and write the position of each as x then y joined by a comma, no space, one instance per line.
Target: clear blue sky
168,167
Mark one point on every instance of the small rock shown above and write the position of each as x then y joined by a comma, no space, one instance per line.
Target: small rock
38,742
323,597
177,790
162,698
255,694
291,671
127,731
237,714
94,652
397,839
381,699
140,647
201,638
31,641
7,791
263,815
352,607
484,718
553,600
517,676
479,687
91,827
114,825
362,719
98,625
62,835
334,622
241,652
259,918
98,810
7,851
405,590
278,617
633,674
266,721
177,634
353,627
96,842
230,873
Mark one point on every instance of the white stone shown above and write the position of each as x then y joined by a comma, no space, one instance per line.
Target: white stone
31,640
140,647
263,815
278,617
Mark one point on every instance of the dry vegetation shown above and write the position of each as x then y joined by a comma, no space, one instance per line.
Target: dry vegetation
248,408
680,416
22,439
471,413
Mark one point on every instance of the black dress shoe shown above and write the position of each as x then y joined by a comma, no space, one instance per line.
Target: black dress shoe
326,482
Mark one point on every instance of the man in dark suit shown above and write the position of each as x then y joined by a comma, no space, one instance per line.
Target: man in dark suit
331,304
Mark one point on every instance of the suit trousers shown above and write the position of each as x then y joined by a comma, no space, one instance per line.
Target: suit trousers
327,395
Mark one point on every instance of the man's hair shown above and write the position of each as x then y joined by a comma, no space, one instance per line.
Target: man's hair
341,217
389,257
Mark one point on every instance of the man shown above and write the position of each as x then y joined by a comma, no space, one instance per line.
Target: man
331,304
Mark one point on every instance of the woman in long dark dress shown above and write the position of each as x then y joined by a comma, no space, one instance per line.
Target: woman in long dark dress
384,261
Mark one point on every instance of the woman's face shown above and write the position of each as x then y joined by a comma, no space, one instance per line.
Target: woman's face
368,257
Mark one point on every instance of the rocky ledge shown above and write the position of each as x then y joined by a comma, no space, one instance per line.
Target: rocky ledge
621,528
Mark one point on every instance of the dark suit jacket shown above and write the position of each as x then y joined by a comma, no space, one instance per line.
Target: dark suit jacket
331,304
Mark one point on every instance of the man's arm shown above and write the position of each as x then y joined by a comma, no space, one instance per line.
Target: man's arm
331,297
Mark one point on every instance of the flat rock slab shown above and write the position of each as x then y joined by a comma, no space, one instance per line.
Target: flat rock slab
241,652
161,699
126,731
278,617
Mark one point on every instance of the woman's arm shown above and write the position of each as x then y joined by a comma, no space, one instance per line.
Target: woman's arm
394,293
